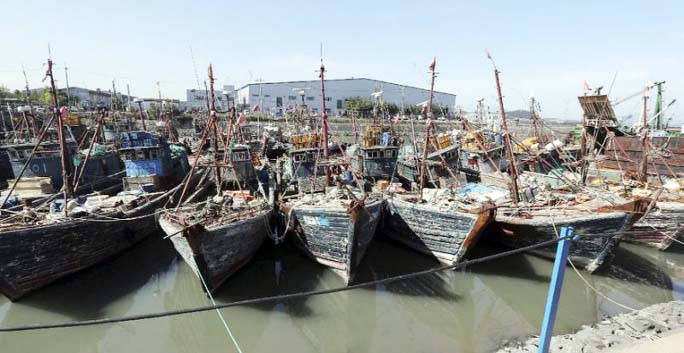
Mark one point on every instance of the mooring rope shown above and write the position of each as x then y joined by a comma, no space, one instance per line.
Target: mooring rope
277,298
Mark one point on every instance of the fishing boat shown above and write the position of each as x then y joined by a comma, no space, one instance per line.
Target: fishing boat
532,215
438,222
218,236
336,226
41,245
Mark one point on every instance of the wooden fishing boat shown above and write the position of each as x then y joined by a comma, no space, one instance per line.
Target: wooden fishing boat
514,228
662,226
38,247
445,231
334,229
217,247
218,236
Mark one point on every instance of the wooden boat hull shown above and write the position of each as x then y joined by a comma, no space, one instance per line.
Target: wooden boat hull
446,235
589,252
217,252
660,228
333,236
31,258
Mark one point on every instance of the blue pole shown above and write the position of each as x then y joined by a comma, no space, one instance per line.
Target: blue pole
555,289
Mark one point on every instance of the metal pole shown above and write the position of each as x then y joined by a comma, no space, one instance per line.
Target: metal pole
555,287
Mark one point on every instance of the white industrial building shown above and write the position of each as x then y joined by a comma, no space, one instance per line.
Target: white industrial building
197,98
277,97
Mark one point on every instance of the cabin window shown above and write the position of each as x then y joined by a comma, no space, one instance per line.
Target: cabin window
339,104
140,154
372,154
309,98
240,156
14,154
279,101
389,153
300,157
154,154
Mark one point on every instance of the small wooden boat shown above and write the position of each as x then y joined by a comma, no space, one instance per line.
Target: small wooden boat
217,247
334,229
218,236
444,231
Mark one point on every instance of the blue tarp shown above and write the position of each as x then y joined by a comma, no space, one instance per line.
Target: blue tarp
472,188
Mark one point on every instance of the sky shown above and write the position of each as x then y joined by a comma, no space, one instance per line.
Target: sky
545,49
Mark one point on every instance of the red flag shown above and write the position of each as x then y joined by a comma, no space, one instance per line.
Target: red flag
241,119
434,62
586,86
489,56
256,108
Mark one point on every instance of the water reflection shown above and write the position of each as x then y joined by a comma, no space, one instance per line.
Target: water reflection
471,310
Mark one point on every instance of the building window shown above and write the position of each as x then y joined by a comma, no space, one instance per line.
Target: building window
292,98
279,101
328,99
255,94
267,95
339,104
309,98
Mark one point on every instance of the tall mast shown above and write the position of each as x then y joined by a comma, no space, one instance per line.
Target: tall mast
64,151
213,127
428,124
324,123
66,76
28,92
507,136
643,175
432,85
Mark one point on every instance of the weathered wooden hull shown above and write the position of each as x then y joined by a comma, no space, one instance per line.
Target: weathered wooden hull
334,237
446,235
217,252
32,258
589,252
661,227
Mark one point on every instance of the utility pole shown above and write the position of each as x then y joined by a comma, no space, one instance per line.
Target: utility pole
66,76
659,105
643,175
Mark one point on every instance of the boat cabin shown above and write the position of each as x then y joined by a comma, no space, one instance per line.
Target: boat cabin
151,163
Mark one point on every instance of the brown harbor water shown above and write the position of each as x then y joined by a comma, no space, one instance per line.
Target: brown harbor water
472,310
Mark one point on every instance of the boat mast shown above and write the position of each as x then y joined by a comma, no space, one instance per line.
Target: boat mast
213,127
428,124
64,151
324,124
507,136
643,174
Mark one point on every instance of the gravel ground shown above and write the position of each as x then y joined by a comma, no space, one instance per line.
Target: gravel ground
614,333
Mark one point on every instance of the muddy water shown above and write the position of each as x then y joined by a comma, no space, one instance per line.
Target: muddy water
456,311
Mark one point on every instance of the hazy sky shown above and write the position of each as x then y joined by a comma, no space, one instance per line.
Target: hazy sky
545,48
